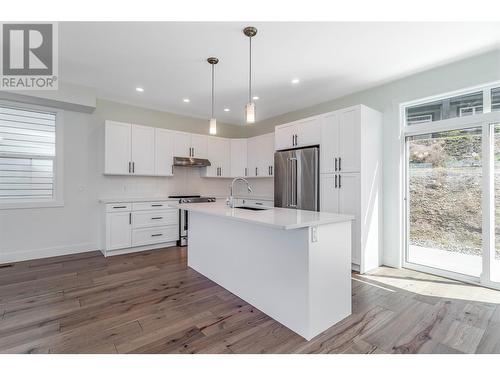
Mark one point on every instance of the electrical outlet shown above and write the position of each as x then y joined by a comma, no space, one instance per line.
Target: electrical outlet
314,234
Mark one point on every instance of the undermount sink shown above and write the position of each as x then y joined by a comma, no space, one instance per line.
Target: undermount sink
253,208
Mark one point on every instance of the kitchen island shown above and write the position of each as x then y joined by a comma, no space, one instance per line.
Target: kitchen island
293,265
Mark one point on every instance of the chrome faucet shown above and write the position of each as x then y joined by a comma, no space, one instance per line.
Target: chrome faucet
231,198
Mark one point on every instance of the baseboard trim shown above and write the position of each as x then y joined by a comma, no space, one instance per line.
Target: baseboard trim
19,256
110,253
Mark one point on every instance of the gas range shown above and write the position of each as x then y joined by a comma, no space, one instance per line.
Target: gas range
183,214
193,198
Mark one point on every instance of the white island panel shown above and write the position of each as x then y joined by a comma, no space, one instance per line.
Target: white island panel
302,284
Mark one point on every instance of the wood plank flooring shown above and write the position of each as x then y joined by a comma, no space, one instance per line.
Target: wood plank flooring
150,302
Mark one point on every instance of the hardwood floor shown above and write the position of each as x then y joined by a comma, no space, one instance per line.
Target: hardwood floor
151,302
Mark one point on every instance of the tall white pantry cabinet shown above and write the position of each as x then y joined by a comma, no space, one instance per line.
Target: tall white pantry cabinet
350,142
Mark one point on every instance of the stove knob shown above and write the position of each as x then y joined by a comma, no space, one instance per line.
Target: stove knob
184,200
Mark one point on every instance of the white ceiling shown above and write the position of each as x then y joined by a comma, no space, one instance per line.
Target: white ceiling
331,60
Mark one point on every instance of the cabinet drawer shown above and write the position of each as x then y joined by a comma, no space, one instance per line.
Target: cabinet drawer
142,206
155,218
149,236
118,207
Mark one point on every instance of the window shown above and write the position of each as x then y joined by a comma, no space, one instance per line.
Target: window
458,106
29,137
495,99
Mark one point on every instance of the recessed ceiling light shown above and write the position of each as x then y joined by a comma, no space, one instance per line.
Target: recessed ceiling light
255,98
295,81
186,100
226,109
139,89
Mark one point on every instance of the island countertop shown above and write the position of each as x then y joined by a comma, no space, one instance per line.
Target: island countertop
279,218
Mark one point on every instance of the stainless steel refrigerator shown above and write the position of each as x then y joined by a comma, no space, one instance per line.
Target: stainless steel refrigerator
296,179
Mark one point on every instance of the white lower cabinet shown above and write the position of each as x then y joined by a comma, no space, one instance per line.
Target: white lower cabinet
148,236
139,226
118,230
340,193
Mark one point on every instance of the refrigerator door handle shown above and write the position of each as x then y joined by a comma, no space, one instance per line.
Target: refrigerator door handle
293,182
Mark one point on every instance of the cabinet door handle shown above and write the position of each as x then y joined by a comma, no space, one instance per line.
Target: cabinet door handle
259,203
133,167
157,205
271,170
193,151
119,206
335,164
129,167
157,235
245,171
340,181
172,169
340,164
130,218
157,218
293,139
296,139
256,171
335,181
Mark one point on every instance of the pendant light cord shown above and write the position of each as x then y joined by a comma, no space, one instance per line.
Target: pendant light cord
213,84
250,76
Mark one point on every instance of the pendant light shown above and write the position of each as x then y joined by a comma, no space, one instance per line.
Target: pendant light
213,122
250,107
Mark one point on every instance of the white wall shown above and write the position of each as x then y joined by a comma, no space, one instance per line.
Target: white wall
470,72
75,227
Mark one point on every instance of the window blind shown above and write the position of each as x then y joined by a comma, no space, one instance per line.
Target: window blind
27,153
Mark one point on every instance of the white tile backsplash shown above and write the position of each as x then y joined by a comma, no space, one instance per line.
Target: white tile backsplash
185,181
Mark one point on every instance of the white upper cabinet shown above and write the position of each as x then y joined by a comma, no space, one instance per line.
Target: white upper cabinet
190,145
238,157
143,150
148,151
308,132
253,157
129,149
219,154
199,144
182,144
164,152
284,137
298,134
260,153
329,149
341,141
350,136
117,154
266,156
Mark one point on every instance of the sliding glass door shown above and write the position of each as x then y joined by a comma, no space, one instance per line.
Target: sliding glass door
444,195
452,185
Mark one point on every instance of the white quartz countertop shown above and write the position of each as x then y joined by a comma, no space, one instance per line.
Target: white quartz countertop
137,199
280,218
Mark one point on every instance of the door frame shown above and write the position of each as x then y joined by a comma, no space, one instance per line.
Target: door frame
487,122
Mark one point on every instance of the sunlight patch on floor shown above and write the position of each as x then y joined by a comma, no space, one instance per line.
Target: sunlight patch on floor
429,285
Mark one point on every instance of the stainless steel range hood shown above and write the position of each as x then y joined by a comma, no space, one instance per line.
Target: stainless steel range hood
190,162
